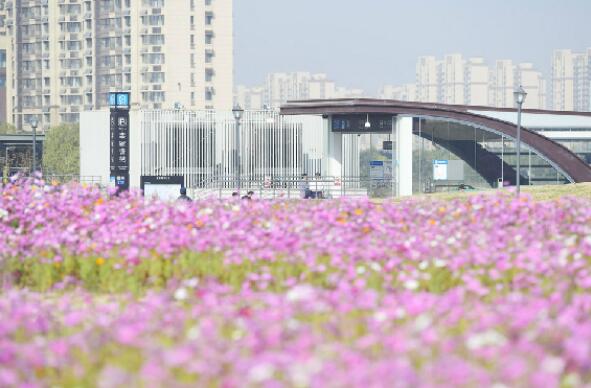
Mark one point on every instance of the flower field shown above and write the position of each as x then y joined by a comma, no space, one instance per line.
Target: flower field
112,292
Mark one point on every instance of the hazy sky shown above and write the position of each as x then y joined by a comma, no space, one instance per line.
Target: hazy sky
368,43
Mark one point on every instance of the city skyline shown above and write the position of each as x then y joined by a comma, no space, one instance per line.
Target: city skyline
450,79
367,47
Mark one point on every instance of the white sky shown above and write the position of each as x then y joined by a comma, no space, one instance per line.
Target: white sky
369,43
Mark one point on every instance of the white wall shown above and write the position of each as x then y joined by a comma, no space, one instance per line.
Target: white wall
94,145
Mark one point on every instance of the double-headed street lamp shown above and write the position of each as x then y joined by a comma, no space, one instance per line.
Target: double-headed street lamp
520,95
237,111
34,122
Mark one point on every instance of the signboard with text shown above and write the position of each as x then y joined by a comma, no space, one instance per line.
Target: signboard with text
440,170
119,139
355,123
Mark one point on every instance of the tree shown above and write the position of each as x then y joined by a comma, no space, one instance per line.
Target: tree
61,150
6,129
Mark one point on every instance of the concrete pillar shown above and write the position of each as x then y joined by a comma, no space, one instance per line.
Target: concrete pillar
335,151
403,156
135,149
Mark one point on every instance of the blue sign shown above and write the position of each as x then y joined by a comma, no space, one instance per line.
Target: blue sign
119,100
376,163
112,99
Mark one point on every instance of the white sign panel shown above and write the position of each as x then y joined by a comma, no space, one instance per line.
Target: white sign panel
376,169
440,170
165,192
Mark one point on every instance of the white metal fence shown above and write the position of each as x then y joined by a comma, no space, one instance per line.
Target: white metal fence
201,145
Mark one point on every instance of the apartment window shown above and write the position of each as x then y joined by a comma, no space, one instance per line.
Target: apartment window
153,96
73,45
71,63
69,117
70,9
31,101
109,43
153,77
209,73
110,80
209,56
72,82
208,18
73,99
209,37
153,3
153,59
208,2
153,39
153,20
70,27
209,94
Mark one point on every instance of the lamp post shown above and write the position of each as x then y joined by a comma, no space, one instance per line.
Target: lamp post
520,95
237,111
34,122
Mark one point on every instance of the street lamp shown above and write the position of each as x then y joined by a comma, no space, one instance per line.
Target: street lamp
34,122
367,123
237,111
520,95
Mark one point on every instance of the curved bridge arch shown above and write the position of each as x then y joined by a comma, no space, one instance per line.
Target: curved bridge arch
560,157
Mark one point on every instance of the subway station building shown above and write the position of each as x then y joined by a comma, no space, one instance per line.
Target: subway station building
360,144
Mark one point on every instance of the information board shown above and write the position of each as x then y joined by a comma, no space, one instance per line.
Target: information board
355,123
119,139
440,170
376,169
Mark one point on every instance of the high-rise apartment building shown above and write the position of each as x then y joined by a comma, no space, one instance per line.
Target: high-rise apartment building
250,98
571,80
452,83
406,92
477,77
428,79
502,84
454,80
533,83
66,56
282,87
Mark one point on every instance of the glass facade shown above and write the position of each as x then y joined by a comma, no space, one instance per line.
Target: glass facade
472,156
446,155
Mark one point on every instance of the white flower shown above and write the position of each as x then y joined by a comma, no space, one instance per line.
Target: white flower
360,270
380,316
191,283
422,322
553,365
400,313
3,213
376,266
194,333
261,372
439,263
205,211
181,294
300,292
423,265
487,338
411,284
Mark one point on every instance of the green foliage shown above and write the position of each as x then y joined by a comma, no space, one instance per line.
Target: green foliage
61,151
7,129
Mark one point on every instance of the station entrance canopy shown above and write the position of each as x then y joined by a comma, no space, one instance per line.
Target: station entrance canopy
425,133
